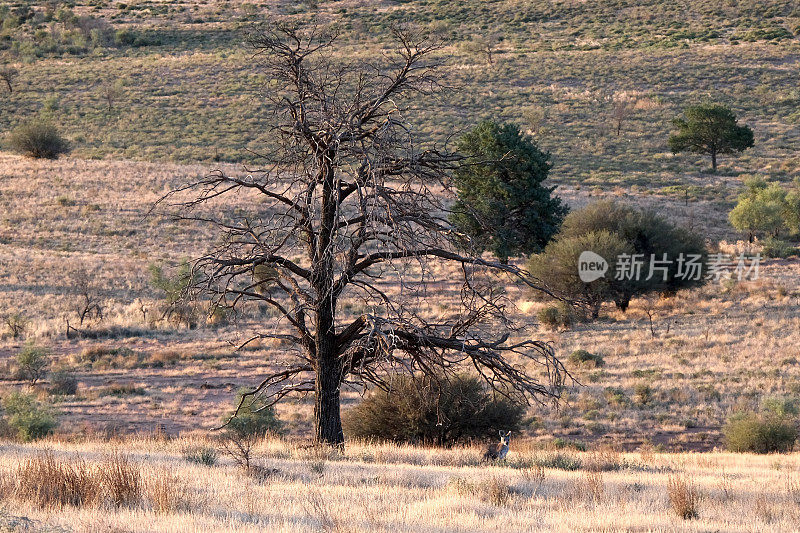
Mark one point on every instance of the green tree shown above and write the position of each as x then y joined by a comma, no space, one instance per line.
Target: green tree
502,204
710,129
33,362
610,229
557,266
762,209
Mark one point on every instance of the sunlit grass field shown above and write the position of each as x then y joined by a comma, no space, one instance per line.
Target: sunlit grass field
390,488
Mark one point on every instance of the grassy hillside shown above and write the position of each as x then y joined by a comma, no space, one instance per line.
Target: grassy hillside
186,88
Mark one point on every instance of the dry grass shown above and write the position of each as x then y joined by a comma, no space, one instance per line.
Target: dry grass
685,498
48,482
405,489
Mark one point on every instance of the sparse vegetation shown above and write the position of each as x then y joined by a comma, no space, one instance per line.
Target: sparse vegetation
138,86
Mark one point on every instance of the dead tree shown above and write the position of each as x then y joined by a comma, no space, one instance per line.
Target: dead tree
350,207
87,301
8,75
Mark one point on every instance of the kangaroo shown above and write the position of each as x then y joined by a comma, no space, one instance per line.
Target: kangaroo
495,454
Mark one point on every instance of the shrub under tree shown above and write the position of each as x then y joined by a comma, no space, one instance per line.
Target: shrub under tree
710,129
425,410
502,203
253,421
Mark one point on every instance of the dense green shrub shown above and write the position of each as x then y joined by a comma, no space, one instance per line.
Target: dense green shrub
773,247
555,316
28,418
40,140
582,357
760,433
557,267
441,412
760,209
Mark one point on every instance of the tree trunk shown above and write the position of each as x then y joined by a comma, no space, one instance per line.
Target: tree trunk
328,379
714,160
327,413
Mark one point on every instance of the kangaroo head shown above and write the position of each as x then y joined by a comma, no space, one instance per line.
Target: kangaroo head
505,437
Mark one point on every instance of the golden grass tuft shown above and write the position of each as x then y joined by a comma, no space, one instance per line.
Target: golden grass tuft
684,497
122,481
166,492
48,482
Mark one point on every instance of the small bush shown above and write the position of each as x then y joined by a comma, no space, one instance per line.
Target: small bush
684,498
254,421
64,383
559,461
39,140
772,247
166,492
643,393
556,316
122,481
760,433
122,389
491,490
27,417
16,323
441,412
203,455
582,357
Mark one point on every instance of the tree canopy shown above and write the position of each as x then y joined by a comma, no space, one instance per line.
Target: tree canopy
710,129
502,205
